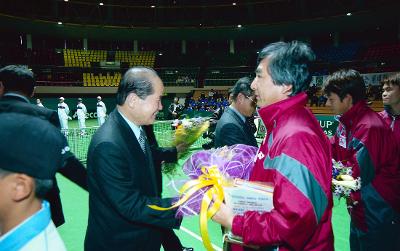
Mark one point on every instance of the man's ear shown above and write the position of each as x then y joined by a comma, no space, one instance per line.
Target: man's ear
132,99
23,187
240,97
348,100
33,92
287,89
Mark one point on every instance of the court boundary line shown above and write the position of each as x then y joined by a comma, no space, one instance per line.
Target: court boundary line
198,237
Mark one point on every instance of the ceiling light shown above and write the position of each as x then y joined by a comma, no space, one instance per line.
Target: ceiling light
101,4
239,26
65,0
348,14
59,22
160,54
233,4
152,6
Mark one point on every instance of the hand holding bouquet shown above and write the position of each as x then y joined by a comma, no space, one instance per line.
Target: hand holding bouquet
343,182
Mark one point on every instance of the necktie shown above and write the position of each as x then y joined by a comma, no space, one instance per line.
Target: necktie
142,141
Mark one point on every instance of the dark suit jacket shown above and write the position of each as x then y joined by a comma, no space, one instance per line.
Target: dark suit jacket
122,183
160,154
72,168
232,130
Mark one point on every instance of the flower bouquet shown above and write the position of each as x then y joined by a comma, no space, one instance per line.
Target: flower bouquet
343,182
210,171
235,161
189,130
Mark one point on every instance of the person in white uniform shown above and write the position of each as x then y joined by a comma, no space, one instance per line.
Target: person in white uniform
63,111
28,163
81,113
39,102
101,111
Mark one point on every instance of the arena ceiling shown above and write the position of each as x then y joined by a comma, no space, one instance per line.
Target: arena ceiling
180,13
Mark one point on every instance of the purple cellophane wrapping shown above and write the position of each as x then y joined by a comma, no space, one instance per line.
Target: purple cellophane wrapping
235,161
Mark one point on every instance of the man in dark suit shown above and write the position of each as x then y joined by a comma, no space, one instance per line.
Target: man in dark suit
169,239
19,83
232,128
121,175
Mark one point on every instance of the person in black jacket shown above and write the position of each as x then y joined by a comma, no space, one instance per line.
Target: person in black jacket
122,179
233,128
18,83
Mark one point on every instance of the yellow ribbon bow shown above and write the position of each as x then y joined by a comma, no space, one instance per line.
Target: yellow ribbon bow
212,178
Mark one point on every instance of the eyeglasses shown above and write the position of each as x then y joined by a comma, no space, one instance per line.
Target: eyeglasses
252,100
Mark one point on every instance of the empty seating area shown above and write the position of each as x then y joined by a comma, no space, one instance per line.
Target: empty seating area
179,76
45,57
143,58
382,51
101,79
226,76
345,52
83,58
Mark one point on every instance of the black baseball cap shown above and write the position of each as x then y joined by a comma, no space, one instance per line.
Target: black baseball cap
31,145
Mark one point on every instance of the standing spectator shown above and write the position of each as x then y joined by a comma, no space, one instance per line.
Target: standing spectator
233,128
26,175
101,111
39,102
121,173
81,113
175,109
294,157
363,141
211,94
63,112
391,102
19,84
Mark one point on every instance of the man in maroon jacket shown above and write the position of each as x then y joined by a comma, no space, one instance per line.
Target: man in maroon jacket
364,142
293,157
391,101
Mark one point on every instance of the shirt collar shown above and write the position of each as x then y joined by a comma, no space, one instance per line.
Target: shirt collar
136,129
23,233
238,113
351,116
269,114
13,94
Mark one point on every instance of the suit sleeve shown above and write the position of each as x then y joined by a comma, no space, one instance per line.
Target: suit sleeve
120,188
299,199
229,134
167,154
375,161
72,168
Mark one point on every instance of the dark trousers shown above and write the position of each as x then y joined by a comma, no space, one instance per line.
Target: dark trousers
385,237
170,241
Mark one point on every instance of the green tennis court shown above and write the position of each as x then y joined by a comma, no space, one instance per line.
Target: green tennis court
75,201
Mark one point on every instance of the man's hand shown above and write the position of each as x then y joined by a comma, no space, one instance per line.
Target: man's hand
182,147
224,216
